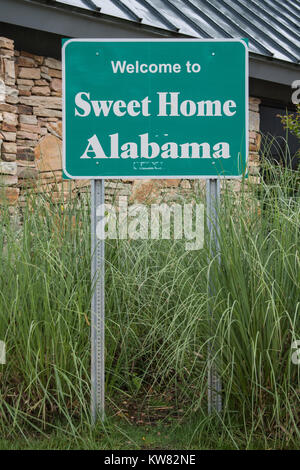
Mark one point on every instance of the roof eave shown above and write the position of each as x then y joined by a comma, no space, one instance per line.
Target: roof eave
273,70
48,15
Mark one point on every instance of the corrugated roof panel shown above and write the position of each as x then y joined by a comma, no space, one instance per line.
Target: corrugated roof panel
253,26
172,15
109,7
286,26
273,35
232,28
272,26
287,20
291,7
284,30
147,16
77,3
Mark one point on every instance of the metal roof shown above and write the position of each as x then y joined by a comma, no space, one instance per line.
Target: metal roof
272,26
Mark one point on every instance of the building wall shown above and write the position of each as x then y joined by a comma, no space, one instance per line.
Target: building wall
30,133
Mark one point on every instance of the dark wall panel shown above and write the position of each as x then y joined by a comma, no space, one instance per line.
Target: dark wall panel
275,137
33,40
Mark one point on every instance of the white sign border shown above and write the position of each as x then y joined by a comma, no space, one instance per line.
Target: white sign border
135,177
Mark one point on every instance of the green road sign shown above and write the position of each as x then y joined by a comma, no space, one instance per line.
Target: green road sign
155,108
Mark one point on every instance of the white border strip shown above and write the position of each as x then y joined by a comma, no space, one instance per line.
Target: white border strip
150,176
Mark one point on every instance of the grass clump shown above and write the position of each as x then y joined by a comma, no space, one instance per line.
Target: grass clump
157,325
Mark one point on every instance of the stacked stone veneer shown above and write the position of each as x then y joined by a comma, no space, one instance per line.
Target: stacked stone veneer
30,108
30,132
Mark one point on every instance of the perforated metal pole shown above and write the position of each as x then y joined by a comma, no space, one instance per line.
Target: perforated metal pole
212,217
98,306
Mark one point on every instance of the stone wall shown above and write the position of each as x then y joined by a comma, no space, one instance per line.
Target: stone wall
254,138
30,134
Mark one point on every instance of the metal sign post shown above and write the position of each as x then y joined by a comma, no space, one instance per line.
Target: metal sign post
98,305
212,215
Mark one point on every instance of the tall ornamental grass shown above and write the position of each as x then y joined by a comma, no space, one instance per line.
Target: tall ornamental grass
159,316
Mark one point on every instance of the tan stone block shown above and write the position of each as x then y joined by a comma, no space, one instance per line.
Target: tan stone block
25,61
170,182
51,175
253,99
28,119
9,147
9,70
11,91
6,43
252,147
8,157
25,81
56,84
29,72
56,127
253,121
254,179
6,53
29,128
24,109
27,172
10,118
27,164
54,73
258,141
37,58
254,108
8,180
25,154
254,157
2,91
41,82
12,99
48,119
9,136
24,88
8,108
41,90
146,191
27,135
254,169
47,112
8,168
48,154
9,195
185,184
16,70
8,127
25,93
27,143
42,102
46,76
254,104
254,164
52,63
